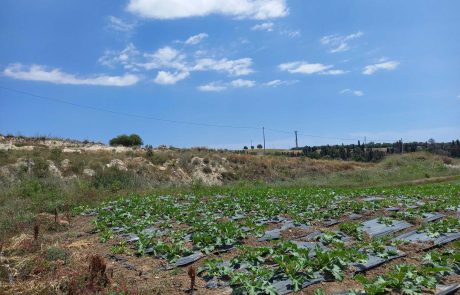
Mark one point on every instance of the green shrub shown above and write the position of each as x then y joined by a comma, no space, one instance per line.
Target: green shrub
40,168
77,166
127,140
56,154
114,180
55,253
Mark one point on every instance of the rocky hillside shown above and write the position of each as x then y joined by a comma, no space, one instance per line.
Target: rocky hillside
67,160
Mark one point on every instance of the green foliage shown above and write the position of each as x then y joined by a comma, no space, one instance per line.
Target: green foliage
55,253
352,229
126,140
385,220
443,226
56,154
403,279
40,167
114,180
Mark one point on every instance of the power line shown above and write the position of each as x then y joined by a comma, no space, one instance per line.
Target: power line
46,98
124,113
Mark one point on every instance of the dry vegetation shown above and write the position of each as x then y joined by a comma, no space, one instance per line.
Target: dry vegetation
47,249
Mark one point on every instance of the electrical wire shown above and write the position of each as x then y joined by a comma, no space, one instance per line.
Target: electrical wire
46,98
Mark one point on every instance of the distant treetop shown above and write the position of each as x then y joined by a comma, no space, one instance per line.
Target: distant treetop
126,140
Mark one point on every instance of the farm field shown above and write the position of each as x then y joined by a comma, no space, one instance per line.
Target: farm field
239,147
260,240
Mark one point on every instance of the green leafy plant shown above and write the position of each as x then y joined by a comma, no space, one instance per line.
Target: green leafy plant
385,220
353,229
447,225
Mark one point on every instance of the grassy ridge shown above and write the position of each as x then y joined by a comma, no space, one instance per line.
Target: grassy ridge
34,193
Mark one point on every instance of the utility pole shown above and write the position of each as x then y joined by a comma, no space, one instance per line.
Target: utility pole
296,142
263,134
364,143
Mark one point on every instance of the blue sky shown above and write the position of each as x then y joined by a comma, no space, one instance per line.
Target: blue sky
341,70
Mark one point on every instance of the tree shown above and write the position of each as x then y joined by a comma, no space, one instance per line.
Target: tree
126,140
252,147
259,146
245,148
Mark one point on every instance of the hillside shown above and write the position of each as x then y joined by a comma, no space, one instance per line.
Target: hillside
46,185
65,159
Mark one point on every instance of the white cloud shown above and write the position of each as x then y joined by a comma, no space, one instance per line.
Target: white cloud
352,92
291,34
165,57
168,78
219,86
303,67
118,24
43,74
193,40
174,65
124,57
237,67
338,43
276,83
268,26
174,9
387,65
333,72
212,87
243,83
170,58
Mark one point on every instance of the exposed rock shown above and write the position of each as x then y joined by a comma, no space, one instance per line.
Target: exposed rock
179,175
89,172
207,173
71,150
53,169
23,164
139,161
65,164
117,163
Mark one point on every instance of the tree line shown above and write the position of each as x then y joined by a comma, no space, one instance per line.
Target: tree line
372,152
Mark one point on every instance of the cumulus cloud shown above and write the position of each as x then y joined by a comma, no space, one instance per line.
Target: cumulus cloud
242,83
352,92
237,67
291,34
124,57
219,86
276,83
174,65
242,9
338,43
165,57
212,87
303,67
120,25
268,26
56,76
385,65
171,58
333,72
168,78
193,40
